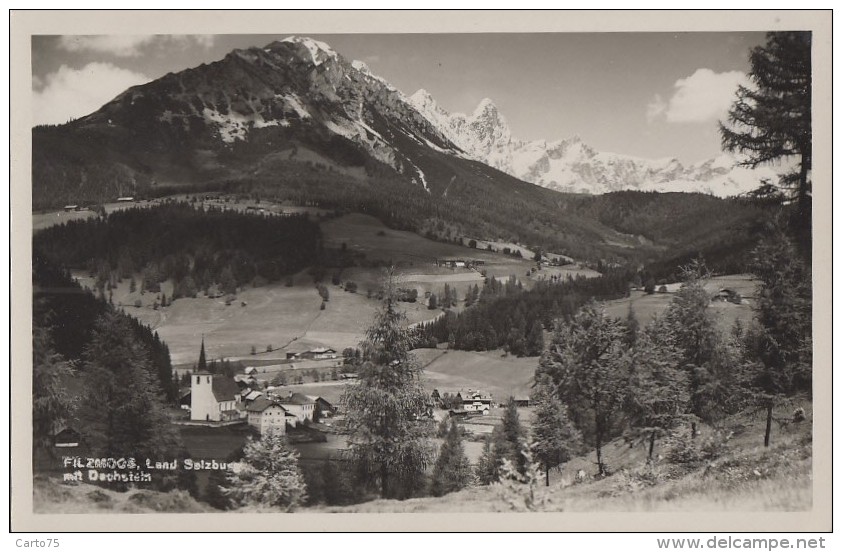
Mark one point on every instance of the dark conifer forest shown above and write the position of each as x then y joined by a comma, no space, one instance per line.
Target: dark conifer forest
505,315
69,314
195,247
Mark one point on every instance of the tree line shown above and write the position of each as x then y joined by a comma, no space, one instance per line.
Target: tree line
504,315
195,247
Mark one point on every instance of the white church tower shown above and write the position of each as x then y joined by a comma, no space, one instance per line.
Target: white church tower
203,405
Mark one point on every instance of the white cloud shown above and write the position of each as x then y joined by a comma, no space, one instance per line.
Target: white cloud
118,45
73,93
130,45
205,41
703,96
655,108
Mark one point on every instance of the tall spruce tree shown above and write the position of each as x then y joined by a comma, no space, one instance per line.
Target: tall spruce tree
510,440
771,120
554,437
535,339
658,395
388,440
588,361
452,471
706,356
487,467
778,346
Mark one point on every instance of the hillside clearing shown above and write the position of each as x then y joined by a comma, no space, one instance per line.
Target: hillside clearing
274,315
487,371
368,235
647,306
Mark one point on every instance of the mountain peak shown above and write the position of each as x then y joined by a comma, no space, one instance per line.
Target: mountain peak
422,93
423,99
319,51
361,66
485,106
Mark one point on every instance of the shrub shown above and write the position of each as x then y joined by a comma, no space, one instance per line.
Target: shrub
680,449
268,475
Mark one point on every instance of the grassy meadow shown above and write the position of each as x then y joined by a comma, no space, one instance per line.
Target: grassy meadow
646,306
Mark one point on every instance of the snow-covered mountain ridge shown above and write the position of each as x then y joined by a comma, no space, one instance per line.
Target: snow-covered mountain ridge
570,165
299,90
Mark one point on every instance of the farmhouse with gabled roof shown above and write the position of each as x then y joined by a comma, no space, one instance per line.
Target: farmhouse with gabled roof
302,406
267,416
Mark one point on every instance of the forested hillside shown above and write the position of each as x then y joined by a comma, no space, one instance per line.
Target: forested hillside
503,314
196,248
68,315
683,226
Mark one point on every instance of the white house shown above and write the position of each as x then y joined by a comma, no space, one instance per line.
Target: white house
476,402
213,398
302,406
268,416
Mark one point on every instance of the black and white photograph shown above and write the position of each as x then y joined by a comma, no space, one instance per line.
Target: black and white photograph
279,271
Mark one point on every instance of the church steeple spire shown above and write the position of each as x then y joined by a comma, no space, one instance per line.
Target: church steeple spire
203,365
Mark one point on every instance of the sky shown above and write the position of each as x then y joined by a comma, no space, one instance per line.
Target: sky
651,95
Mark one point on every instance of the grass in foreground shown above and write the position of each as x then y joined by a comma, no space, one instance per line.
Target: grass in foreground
743,476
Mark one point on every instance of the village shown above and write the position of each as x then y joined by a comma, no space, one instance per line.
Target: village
251,398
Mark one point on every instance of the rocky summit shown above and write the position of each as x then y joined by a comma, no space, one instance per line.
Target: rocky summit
570,165
222,121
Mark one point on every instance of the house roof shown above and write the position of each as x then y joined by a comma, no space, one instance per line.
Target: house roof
322,399
262,403
321,350
467,395
297,398
224,389
64,431
253,395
